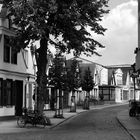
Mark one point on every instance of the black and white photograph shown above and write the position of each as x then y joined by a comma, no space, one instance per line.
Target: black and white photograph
69,69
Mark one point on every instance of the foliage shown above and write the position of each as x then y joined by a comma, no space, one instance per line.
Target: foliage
73,76
87,82
62,23
67,19
57,74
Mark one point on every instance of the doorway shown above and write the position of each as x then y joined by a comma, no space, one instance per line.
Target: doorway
19,97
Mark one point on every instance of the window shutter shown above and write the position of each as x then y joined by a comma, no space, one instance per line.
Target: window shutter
14,92
4,93
1,92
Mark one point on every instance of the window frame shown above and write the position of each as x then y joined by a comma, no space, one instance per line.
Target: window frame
8,92
10,55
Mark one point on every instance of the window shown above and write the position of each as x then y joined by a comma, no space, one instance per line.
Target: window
25,56
13,56
119,80
7,96
6,50
121,94
10,55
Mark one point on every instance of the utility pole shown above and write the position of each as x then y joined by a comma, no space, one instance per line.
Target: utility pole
134,76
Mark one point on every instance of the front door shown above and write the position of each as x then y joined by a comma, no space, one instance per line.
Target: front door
19,97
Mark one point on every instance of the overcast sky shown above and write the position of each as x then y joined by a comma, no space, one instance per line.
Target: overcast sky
121,38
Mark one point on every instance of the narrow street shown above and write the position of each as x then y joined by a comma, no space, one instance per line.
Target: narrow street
91,125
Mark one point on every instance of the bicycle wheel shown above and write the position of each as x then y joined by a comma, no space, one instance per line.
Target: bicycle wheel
21,121
47,120
43,121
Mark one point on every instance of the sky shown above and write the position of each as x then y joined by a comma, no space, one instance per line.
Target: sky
121,37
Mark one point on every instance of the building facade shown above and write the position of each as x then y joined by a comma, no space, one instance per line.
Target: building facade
121,82
16,74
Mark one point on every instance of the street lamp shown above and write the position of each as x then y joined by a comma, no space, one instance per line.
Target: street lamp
134,76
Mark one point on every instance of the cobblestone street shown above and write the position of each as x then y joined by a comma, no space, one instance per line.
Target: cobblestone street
92,125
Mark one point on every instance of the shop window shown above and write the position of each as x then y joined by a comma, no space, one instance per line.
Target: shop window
125,95
121,94
10,55
7,96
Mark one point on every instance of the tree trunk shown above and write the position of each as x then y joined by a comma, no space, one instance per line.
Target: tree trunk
41,58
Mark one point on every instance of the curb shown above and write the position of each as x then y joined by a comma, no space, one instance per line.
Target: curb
124,127
72,116
67,119
101,107
55,125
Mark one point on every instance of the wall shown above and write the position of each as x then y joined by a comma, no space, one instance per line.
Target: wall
19,71
102,75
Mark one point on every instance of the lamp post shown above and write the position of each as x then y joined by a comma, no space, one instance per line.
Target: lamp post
134,76
134,88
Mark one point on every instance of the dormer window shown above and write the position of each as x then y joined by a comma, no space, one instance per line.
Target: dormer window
10,55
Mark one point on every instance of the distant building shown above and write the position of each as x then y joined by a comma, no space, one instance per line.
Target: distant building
120,83
99,74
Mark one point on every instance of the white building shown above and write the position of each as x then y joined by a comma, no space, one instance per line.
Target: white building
16,74
121,81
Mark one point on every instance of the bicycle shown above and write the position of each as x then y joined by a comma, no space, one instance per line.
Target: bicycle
32,117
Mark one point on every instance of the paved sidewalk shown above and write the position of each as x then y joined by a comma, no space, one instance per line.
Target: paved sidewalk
131,124
10,126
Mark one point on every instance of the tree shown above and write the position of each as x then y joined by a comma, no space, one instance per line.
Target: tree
58,74
50,20
74,81
87,85
87,82
58,80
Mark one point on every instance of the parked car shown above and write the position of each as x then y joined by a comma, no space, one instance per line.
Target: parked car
134,108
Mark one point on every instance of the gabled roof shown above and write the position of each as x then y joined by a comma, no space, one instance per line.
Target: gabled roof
86,61
119,66
125,70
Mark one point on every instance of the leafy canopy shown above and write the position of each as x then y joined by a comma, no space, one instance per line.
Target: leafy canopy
73,75
62,22
57,74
